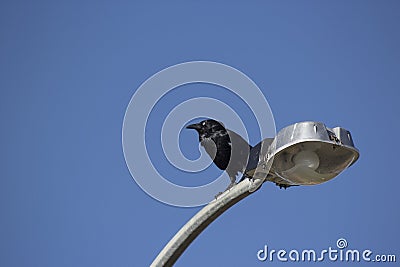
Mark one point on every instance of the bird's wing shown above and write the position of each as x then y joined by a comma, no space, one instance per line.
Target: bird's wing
240,151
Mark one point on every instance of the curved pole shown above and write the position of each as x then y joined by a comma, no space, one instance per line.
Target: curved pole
182,239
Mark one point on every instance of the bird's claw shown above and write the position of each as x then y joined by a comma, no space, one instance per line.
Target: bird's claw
227,189
217,195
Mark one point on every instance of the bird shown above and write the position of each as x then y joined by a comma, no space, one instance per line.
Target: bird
229,151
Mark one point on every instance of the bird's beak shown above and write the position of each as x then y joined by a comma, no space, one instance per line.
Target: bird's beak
196,126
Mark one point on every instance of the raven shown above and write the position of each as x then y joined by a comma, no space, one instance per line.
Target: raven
229,151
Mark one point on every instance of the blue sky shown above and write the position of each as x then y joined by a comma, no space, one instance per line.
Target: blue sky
69,69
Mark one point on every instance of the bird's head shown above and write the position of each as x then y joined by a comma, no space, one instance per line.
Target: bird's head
207,128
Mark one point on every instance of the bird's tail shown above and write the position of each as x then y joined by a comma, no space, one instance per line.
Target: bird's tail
254,157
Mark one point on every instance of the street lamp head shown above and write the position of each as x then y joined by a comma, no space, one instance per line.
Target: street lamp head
307,153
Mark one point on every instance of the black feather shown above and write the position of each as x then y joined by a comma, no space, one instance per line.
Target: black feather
229,151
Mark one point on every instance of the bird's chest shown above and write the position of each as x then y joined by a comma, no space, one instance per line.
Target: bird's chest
219,150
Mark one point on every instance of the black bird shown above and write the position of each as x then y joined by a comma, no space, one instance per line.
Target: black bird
228,150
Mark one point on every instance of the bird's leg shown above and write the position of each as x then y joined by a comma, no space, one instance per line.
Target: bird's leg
232,184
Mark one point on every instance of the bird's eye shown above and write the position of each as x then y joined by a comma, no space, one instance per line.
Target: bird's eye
204,123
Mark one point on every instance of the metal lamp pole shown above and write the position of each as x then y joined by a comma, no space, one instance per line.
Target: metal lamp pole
182,239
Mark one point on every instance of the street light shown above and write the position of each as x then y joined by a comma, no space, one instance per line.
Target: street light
304,153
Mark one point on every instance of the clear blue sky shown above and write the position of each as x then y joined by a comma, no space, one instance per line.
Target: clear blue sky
68,70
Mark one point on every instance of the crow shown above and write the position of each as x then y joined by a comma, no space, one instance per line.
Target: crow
229,151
